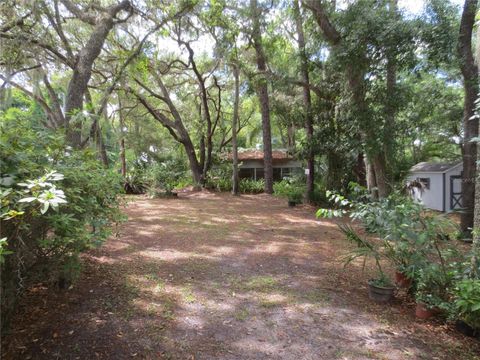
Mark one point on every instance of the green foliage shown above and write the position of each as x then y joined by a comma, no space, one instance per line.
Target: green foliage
467,302
164,176
136,180
416,242
364,248
220,177
250,186
292,188
55,203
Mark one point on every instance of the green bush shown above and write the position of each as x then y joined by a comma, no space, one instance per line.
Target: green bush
136,179
416,242
466,304
56,203
291,188
164,176
250,186
220,177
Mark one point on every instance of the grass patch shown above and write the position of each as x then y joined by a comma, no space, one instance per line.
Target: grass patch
242,314
188,295
261,283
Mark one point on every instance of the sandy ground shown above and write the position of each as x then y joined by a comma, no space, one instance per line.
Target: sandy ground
211,276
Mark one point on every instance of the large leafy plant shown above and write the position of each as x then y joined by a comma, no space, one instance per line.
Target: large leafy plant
55,203
467,302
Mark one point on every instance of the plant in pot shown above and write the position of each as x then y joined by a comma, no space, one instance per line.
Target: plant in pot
466,306
433,291
380,289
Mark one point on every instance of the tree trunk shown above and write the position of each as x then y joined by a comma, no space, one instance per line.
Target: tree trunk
476,217
123,160
360,171
470,125
378,162
83,71
306,100
236,104
371,179
262,92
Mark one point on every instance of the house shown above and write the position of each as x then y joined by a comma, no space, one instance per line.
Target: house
442,185
251,164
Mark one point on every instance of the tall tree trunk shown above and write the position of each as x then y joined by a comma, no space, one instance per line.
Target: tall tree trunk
83,70
470,124
101,148
476,217
360,171
262,92
123,160
371,179
236,104
306,100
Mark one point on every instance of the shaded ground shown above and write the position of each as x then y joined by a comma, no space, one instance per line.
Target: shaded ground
209,276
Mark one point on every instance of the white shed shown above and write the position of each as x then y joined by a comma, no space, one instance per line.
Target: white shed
442,185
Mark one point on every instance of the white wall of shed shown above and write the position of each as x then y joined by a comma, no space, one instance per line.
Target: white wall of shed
431,198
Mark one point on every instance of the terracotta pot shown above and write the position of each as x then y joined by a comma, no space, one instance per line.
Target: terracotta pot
402,280
423,312
380,294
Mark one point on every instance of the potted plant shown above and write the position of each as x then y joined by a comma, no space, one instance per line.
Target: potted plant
427,306
380,289
433,290
466,307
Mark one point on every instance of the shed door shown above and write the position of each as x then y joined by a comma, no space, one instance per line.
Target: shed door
455,192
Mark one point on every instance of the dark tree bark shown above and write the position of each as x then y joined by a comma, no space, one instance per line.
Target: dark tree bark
476,216
236,104
82,70
262,92
123,161
470,124
307,100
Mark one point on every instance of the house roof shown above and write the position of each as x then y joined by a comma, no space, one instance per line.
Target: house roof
258,155
439,167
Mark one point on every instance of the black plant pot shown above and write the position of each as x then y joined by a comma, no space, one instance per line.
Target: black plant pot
466,329
292,203
380,294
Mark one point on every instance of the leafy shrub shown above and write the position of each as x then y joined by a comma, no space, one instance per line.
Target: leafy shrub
56,202
466,305
416,242
220,177
164,176
291,188
136,180
250,186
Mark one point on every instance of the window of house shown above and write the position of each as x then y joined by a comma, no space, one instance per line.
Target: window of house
277,174
245,173
286,172
260,173
425,182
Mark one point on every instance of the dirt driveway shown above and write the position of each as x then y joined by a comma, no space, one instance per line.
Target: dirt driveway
210,276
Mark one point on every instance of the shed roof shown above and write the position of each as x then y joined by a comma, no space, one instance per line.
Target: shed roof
439,167
258,155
